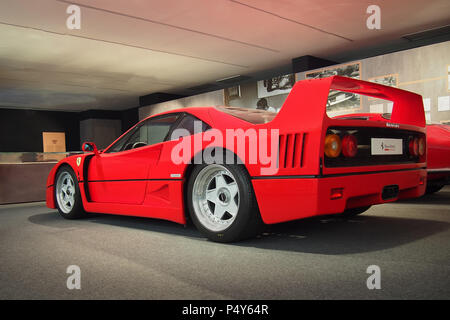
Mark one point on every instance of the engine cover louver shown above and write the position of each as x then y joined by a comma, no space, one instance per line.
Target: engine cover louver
290,154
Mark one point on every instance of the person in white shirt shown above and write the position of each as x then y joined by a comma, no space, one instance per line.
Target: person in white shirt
263,105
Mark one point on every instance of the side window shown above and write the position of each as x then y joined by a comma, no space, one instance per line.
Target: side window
137,139
120,144
192,125
157,129
151,131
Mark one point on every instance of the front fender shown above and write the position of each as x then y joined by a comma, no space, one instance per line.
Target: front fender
76,165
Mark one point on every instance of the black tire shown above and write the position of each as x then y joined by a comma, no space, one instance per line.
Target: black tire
246,224
355,211
433,188
76,211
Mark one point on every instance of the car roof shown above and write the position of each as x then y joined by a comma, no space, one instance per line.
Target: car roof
229,115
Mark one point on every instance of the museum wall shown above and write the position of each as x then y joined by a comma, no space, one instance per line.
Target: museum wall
21,130
100,131
129,118
424,70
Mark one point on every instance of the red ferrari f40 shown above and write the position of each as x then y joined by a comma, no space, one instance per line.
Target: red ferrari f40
232,170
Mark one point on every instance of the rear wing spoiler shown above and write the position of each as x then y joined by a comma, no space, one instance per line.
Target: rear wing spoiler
306,104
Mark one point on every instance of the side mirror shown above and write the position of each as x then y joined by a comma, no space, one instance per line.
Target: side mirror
89,147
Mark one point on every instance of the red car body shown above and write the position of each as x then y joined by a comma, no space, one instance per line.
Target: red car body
438,148
438,160
145,182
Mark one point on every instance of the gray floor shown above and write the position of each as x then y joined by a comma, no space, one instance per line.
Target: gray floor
319,258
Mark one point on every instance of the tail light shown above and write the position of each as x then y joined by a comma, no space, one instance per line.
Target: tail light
414,147
421,146
349,146
333,146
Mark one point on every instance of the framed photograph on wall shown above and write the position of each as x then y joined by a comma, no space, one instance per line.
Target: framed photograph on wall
230,94
340,102
233,92
275,86
390,80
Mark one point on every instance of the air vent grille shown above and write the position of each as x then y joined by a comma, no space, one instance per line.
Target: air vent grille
291,150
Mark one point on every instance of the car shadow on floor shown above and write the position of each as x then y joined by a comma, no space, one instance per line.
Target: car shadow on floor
335,235
54,220
321,235
439,198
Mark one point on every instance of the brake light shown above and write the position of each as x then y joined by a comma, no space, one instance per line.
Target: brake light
414,147
421,146
333,146
349,146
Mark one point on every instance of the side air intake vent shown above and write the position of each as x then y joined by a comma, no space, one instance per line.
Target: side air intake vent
291,150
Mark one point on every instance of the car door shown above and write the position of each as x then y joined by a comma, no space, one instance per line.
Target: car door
120,174
172,168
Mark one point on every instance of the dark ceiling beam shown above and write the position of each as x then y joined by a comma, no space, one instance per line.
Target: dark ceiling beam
305,63
157,97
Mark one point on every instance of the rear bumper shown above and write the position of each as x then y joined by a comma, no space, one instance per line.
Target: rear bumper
292,198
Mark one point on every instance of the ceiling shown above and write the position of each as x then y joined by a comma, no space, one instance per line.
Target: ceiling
129,48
